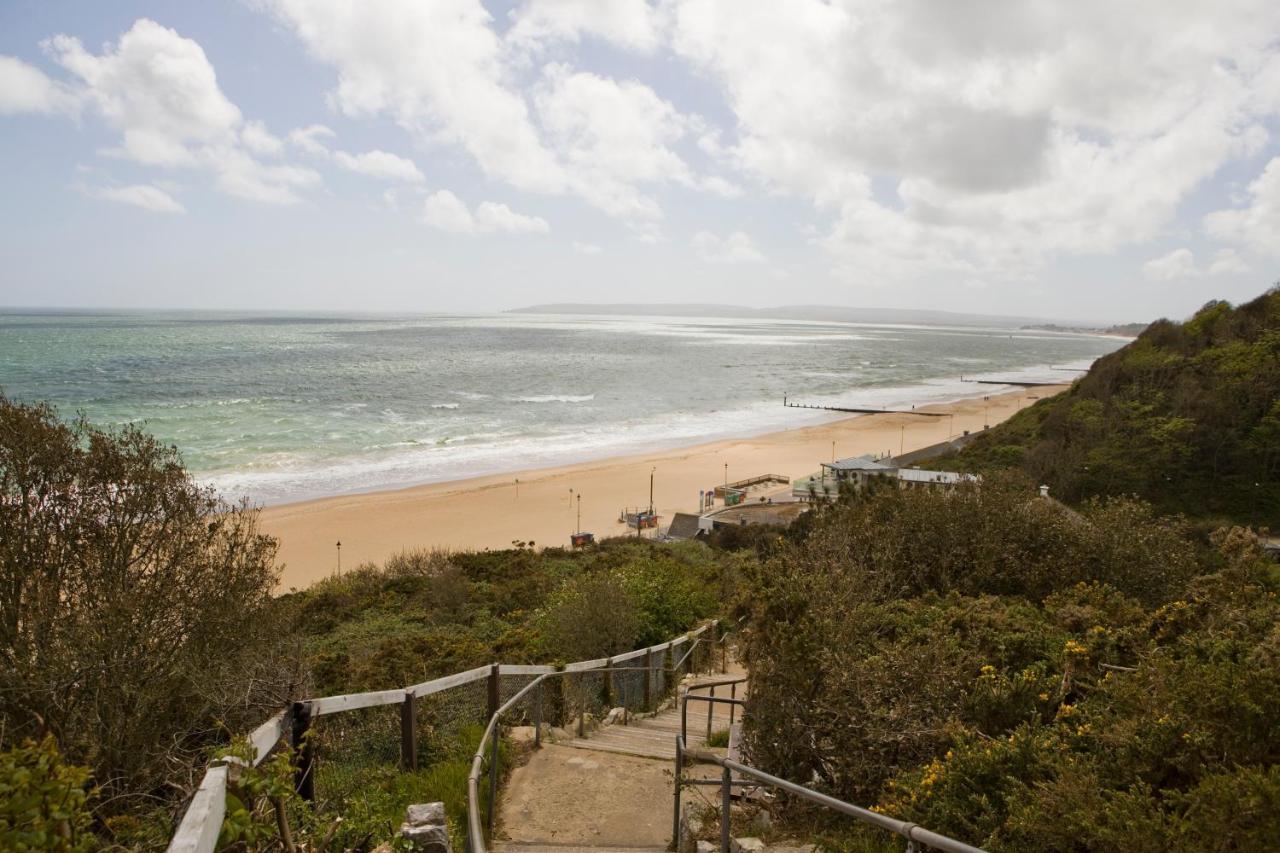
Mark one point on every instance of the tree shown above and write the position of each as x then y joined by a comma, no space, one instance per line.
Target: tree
135,605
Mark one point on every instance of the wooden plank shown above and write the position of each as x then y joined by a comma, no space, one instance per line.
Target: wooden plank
458,679
630,655
198,832
524,669
582,665
265,737
354,702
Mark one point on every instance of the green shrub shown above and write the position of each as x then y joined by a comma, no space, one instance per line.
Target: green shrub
44,802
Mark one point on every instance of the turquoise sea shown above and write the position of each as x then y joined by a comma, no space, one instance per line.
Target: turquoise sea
286,407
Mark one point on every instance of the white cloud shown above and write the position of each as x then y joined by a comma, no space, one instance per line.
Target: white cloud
614,136
26,89
259,140
1227,261
379,164
158,88
1180,263
160,92
441,70
308,139
437,69
587,248
491,216
734,248
1257,225
146,196
1006,144
444,211
633,24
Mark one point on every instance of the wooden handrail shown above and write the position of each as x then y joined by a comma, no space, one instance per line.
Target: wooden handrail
202,821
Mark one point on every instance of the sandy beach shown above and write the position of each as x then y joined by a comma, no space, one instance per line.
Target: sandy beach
494,511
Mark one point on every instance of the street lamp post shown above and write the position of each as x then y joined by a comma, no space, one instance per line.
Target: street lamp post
339,558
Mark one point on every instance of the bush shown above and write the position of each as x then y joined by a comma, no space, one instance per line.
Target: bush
135,607
1062,713
43,801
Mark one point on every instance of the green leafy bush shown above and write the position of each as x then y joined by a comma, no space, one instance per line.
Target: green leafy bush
44,802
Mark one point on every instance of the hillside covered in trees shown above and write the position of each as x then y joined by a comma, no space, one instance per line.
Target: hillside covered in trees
1186,416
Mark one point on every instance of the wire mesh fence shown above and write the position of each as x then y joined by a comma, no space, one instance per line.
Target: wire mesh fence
353,747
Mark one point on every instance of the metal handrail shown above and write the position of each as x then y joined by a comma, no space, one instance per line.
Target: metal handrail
733,701
914,834
489,740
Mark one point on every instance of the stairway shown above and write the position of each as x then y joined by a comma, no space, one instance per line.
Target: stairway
655,736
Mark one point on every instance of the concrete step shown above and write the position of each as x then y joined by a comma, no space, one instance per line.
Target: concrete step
539,847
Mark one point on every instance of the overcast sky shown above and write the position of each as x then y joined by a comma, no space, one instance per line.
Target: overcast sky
1093,160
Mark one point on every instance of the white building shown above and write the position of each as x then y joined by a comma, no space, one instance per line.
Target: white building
857,471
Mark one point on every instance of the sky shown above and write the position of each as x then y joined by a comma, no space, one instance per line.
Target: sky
1091,160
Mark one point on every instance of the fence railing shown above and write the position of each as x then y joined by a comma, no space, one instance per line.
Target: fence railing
365,724
739,775
635,668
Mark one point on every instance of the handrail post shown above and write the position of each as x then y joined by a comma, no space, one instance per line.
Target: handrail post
711,652
607,688
724,811
304,751
675,821
408,733
733,694
711,707
683,699
537,715
582,707
493,775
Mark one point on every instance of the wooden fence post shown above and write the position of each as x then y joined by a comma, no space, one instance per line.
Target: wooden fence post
494,691
607,689
304,751
408,733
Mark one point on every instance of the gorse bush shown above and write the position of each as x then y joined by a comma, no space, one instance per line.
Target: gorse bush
1020,675
429,614
1187,416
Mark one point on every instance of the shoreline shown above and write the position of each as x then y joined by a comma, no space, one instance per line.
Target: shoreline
492,511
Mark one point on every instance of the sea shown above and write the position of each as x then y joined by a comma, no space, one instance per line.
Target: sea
286,407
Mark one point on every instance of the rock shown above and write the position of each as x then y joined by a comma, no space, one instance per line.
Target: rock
425,829
421,814
521,735
762,822
690,829
428,838
746,845
615,716
706,847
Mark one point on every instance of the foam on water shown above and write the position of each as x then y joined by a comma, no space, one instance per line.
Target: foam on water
285,408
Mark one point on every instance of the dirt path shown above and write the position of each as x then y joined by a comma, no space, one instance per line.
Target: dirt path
571,796
602,792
